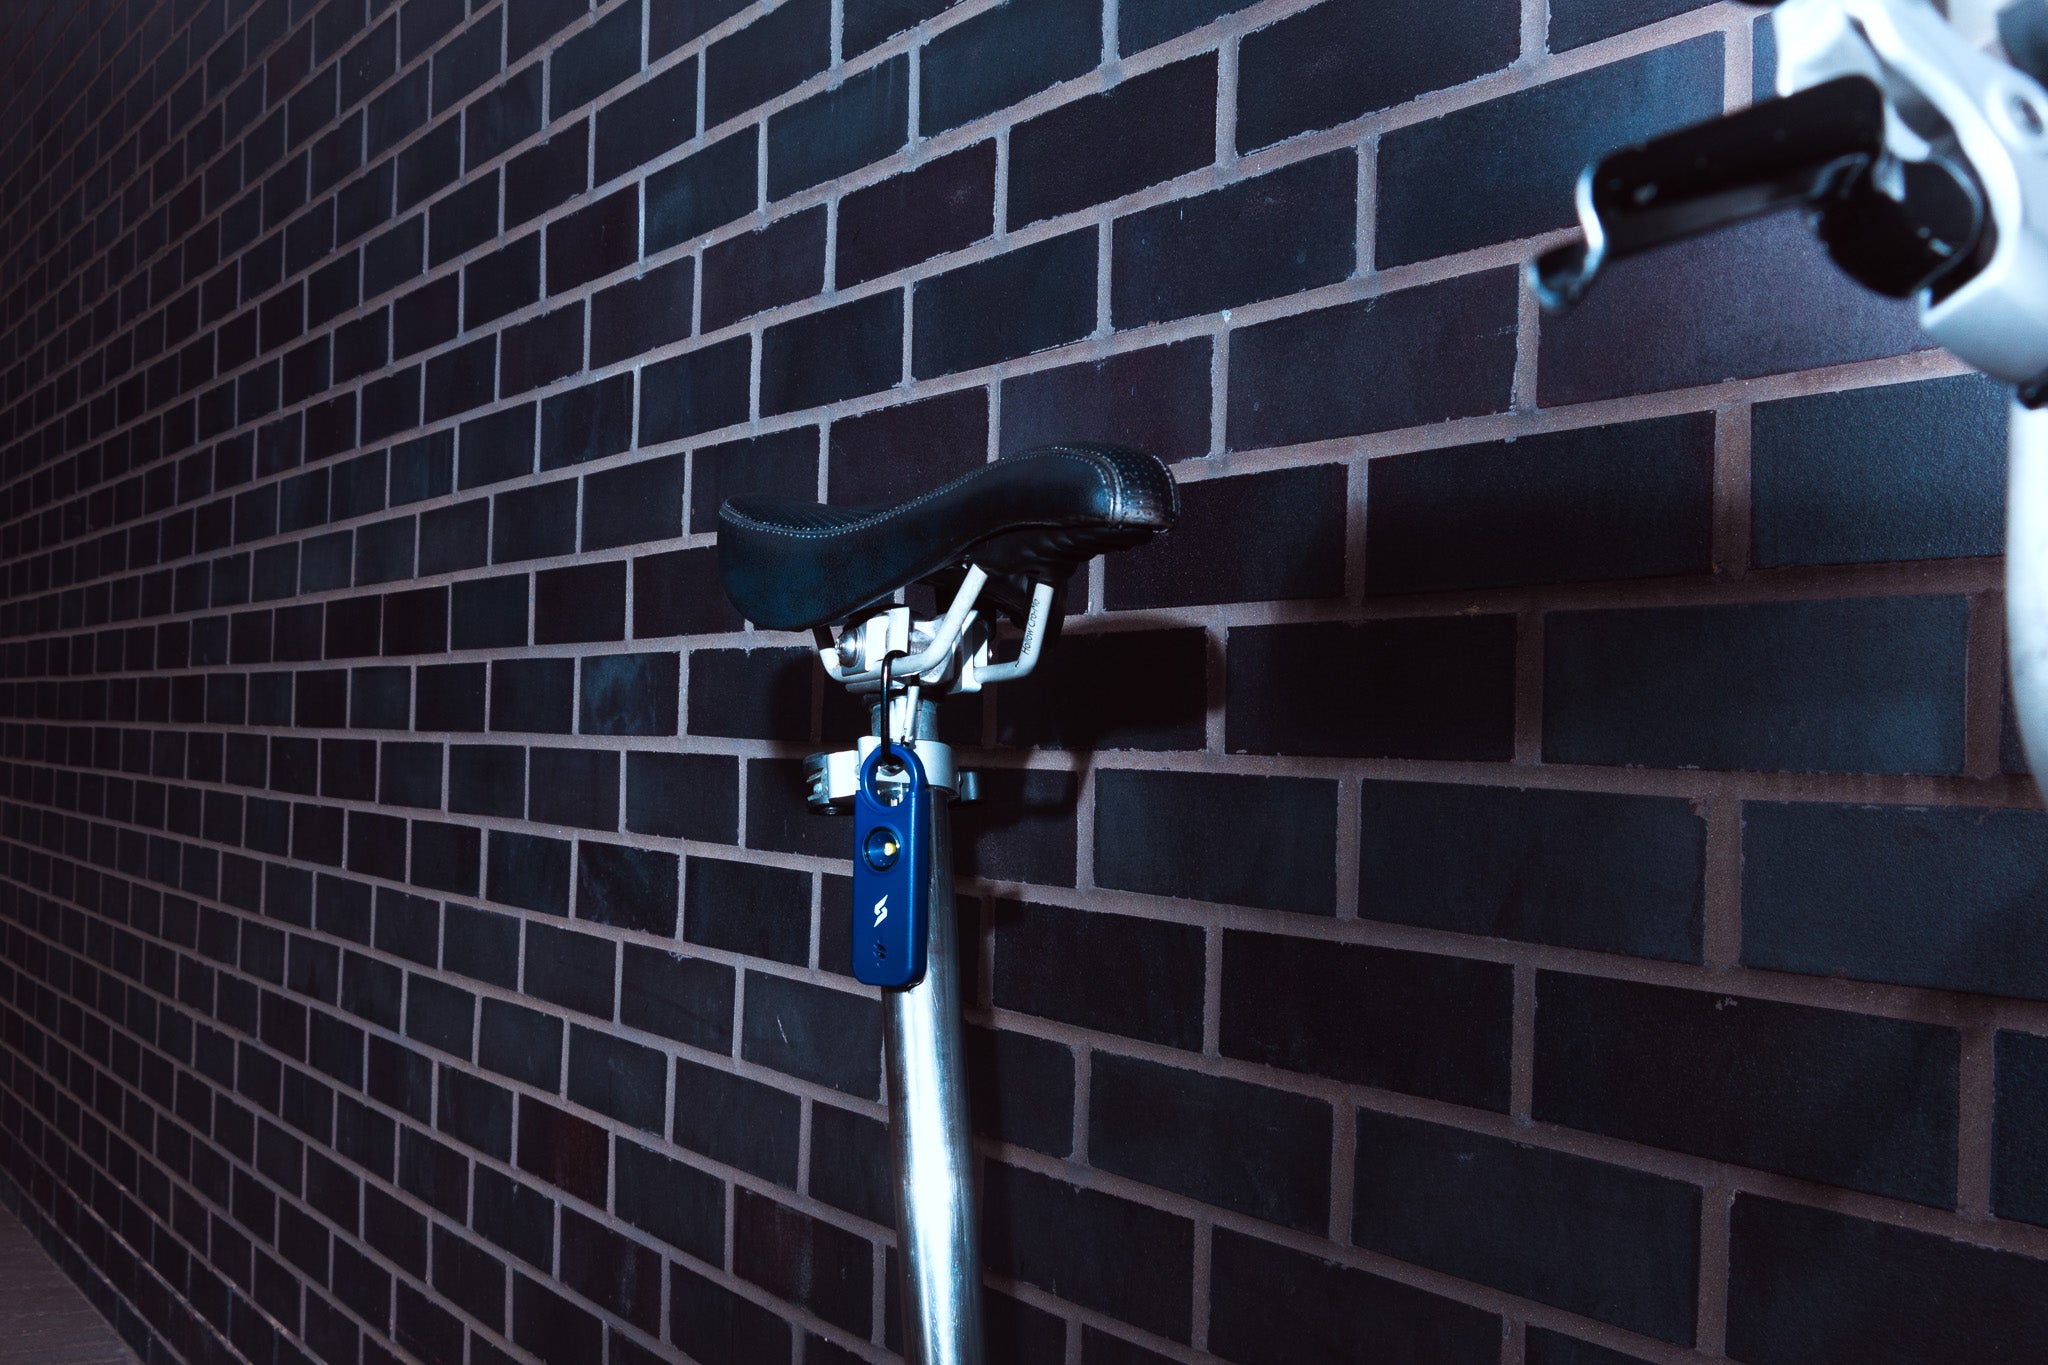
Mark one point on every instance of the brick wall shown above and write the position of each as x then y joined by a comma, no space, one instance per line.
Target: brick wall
1534,871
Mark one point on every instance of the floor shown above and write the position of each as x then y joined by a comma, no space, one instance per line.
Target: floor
44,1320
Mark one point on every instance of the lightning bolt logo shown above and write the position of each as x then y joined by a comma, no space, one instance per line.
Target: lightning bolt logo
881,911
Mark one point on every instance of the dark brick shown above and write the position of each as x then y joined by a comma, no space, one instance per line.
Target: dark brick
411,775
1865,684
1412,688
1155,400
1003,56
439,1015
519,1219
1611,873
749,909
1412,1022
1845,891
1329,64
486,779
611,1271
481,944
1552,1348
1137,977
862,120
641,315
713,1324
453,538
549,1325
702,191
1283,232
737,1121
1300,513
1244,1147
1434,352
628,694
428,165
941,206
605,55
1217,838
1147,129
461,379
1021,1089
898,452
672,25
534,523
834,354
541,350
392,404
505,117
1270,1306
545,176
1609,1243
1627,501
629,888
624,1080
574,787
587,423
489,612
425,317
1147,23
1526,149
1903,471
1821,1288
1023,829
683,796
594,241
579,603
532,694
677,997
463,220
1086,694
422,468
529,871
850,1164
804,1260
496,447
506,280
678,594
521,1043
384,554
763,269
1752,1082
2019,1154
869,22
678,1203
647,121
814,1033
1761,298
1090,1248
1574,23
696,392
774,53
470,1278
750,694
570,969
1026,300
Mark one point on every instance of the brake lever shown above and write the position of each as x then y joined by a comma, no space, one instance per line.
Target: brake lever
1822,148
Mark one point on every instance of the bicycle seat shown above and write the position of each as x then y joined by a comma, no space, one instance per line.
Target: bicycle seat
1037,516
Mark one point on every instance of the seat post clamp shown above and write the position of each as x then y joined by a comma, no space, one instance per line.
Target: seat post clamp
830,779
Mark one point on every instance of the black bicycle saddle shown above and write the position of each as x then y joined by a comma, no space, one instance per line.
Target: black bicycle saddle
1031,517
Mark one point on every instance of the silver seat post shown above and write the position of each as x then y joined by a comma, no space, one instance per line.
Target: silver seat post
925,1064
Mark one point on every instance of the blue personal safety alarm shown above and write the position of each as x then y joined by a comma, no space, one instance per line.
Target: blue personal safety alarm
892,869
